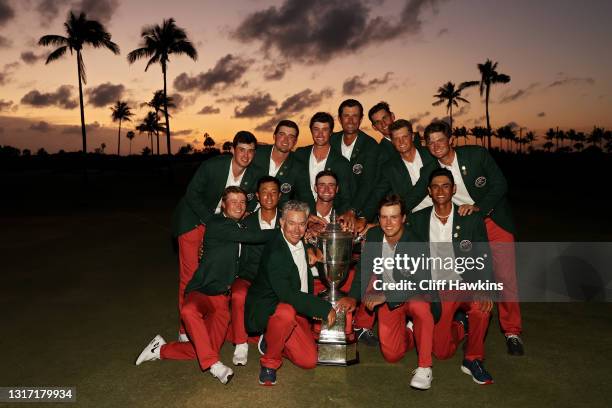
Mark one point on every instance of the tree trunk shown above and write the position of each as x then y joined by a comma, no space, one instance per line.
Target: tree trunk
83,132
157,138
151,139
130,147
119,139
487,112
451,118
166,111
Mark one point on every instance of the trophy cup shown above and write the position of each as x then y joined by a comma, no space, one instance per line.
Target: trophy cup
336,247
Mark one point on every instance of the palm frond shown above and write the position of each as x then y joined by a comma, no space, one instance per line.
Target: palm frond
52,39
139,53
57,54
438,102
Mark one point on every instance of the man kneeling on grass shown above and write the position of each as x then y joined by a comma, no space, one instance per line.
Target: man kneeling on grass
281,300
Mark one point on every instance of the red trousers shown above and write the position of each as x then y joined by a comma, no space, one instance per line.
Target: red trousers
189,246
504,268
237,332
448,333
363,318
289,335
396,339
206,319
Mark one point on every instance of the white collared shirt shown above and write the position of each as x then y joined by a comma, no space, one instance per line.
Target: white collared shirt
326,217
314,167
231,181
388,251
263,224
299,259
462,196
347,151
273,169
441,245
414,169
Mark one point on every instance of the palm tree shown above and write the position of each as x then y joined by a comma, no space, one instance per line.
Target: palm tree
479,133
548,146
489,76
530,137
149,125
227,147
158,42
209,142
130,135
120,112
461,132
596,136
80,32
159,102
450,95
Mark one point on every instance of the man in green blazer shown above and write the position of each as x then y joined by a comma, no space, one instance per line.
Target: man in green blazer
360,149
320,156
402,171
386,242
279,161
451,236
206,311
381,117
265,218
203,199
281,299
481,187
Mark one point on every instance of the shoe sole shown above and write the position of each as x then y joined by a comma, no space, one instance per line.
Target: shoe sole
267,383
156,338
467,371
229,378
420,388
239,363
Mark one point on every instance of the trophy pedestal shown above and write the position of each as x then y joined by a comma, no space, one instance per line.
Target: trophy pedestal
333,347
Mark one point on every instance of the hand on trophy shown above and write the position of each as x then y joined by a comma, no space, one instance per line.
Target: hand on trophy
347,304
347,221
314,255
331,317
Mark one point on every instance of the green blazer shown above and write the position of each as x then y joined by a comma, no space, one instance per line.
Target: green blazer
250,256
278,280
364,165
484,181
288,174
469,238
219,266
204,192
336,163
394,178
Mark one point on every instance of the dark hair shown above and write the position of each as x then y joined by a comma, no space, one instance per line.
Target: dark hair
245,137
268,179
350,103
324,173
437,126
401,123
288,123
232,190
379,106
393,199
441,172
322,117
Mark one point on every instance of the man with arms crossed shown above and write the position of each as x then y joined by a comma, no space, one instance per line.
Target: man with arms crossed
206,311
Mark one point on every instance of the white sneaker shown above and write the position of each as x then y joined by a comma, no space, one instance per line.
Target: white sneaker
151,352
241,353
182,337
422,378
222,372
410,325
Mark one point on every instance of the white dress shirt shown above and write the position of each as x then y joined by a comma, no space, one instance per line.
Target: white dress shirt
441,245
462,196
314,167
414,169
388,251
263,224
347,151
299,259
273,169
231,181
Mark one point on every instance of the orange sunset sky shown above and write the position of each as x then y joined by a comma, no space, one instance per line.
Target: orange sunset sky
261,61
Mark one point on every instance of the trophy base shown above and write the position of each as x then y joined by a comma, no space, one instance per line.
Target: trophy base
338,354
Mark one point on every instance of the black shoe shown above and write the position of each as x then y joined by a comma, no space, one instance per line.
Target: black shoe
462,318
367,337
261,345
515,345
267,376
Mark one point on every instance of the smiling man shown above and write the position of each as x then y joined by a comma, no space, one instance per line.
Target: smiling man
203,199
206,310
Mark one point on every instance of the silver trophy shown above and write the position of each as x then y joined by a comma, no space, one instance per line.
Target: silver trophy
337,248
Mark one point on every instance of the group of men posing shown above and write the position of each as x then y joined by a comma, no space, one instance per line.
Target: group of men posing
246,271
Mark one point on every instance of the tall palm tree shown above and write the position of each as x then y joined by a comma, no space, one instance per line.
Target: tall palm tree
479,133
120,112
530,137
489,76
158,42
130,135
149,125
450,95
159,103
80,32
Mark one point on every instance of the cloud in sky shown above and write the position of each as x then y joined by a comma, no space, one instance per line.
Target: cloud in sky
275,71
209,110
571,81
417,118
5,42
31,58
541,114
6,12
356,85
7,71
257,105
101,10
508,97
226,72
41,126
62,98
105,94
76,129
318,30
5,105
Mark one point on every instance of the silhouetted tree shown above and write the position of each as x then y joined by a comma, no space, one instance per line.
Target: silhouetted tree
159,103
185,149
227,147
42,152
80,32
489,76
479,133
461,132
150,124
451,96
158,43
146,151
209,142
548,146
130,135
120,112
